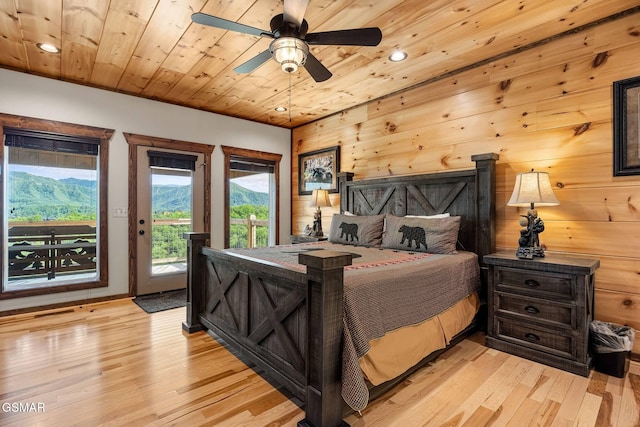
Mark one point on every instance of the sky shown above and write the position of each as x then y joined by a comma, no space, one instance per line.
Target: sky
55,173
258,182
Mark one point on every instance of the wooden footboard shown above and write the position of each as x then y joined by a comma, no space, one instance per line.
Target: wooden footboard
287,322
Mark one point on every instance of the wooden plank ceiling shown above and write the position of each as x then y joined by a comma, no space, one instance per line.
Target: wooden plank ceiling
151,49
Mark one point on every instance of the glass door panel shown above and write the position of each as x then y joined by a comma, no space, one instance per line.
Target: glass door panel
171,216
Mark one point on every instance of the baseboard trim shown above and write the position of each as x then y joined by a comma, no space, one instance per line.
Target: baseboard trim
83,301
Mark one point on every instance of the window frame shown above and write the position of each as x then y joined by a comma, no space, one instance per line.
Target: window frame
76,130
230,152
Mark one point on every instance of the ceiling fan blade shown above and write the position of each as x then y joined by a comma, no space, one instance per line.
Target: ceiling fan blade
294,11
214,21
315,68
355,37
253,63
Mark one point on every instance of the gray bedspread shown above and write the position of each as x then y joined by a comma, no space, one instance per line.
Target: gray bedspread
384,290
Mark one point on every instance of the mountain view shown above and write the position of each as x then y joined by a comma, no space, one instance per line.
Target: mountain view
243,196
31,195
175,198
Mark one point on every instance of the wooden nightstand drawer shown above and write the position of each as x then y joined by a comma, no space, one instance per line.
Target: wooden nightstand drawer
537,338
533,283
537,310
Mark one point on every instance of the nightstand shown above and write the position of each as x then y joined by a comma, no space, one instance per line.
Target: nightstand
301,238
540,309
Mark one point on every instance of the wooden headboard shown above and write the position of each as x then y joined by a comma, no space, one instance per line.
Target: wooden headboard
469,194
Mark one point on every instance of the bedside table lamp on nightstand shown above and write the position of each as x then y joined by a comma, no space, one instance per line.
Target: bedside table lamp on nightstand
531,188
319,198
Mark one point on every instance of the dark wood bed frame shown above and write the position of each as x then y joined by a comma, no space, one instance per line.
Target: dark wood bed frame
290,323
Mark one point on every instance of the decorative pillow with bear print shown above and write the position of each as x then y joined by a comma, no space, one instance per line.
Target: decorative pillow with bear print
356,230
433,235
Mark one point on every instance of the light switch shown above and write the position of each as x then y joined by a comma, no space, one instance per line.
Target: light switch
120,212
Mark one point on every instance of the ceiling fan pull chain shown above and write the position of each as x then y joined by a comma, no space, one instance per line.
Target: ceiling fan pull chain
289,97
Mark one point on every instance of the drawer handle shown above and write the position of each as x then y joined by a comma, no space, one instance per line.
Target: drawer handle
531,309
532,283
531,337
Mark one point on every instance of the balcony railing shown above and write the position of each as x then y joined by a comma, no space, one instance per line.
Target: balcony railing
246,233
48,250
168,248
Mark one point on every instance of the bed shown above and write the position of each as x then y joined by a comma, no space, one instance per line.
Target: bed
299,312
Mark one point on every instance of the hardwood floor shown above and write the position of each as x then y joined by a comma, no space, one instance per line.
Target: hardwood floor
111,363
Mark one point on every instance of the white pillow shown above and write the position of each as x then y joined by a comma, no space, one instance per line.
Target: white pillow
442,215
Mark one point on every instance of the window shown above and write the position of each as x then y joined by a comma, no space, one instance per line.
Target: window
251,197
54,224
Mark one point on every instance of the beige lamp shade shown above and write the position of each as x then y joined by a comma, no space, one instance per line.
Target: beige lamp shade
320,198
533,188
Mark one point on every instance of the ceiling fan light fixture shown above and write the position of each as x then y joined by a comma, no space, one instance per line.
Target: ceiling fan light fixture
281,109
289,52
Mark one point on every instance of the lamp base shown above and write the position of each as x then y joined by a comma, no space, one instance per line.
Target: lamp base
529,242
530,252
317,223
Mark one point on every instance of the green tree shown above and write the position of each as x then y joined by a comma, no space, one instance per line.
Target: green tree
238,233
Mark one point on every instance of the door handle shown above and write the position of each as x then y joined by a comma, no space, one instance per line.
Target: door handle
141,232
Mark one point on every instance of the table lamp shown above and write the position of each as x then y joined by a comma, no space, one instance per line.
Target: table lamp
319,198
531,188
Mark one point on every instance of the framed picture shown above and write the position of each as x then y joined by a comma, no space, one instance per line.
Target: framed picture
319,169
626,127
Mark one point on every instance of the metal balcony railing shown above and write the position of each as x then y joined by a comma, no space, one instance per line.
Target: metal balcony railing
168,248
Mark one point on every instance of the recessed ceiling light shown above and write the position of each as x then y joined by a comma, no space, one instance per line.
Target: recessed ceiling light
48,47
398,56
280,109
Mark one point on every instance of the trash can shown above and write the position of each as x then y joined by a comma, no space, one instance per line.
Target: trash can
611,346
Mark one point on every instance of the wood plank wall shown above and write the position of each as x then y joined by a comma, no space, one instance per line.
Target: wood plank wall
547,108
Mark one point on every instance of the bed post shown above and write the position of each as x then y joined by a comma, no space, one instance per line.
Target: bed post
343,178
486,205
486,188
195,280
323,402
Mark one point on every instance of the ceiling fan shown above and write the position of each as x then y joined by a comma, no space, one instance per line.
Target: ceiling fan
290,45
